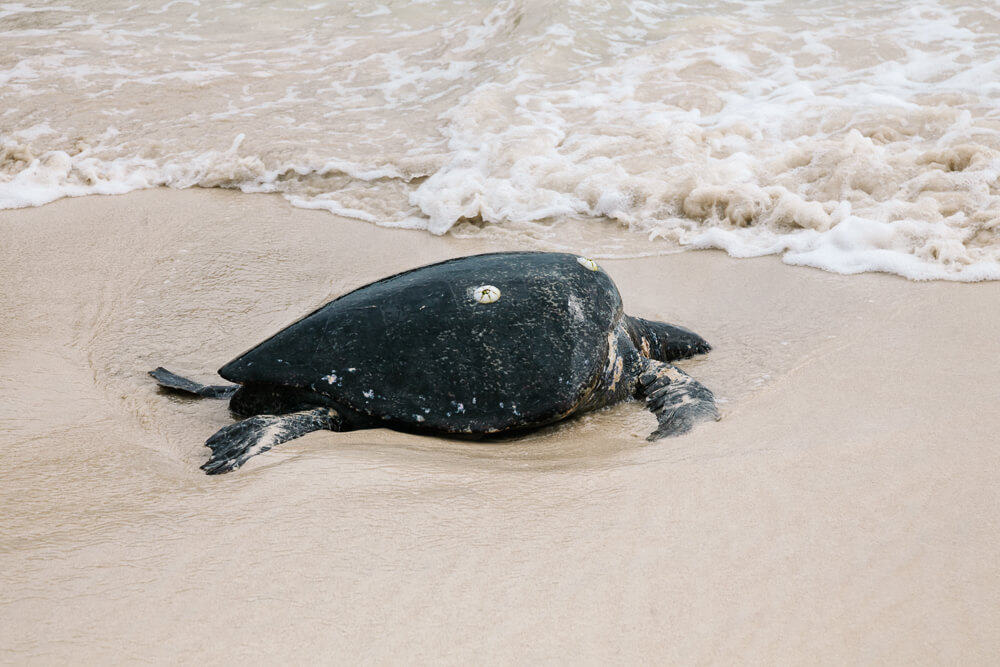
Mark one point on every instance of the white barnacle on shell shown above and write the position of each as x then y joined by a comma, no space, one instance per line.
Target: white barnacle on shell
486,294
588,263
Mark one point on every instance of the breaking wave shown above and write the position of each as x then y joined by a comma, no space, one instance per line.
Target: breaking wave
840,136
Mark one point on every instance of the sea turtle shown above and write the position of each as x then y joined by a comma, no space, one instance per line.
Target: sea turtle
475,346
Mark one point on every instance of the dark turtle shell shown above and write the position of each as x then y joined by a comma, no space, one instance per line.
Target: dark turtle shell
428,349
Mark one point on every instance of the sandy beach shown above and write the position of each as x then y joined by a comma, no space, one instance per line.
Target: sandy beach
845,509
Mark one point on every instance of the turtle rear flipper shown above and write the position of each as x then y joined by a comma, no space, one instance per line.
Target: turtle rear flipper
175,382
233,445
678,400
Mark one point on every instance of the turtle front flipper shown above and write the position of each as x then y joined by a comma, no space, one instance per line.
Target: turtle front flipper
664,342
678,400
175,382
233,445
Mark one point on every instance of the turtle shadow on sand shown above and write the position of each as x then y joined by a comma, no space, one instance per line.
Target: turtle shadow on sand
484,346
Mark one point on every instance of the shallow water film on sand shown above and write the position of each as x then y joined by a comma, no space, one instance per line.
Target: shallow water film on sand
846,136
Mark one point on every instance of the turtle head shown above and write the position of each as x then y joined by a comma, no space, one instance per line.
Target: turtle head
664,342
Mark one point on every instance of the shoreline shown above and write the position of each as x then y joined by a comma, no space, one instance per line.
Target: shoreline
846,507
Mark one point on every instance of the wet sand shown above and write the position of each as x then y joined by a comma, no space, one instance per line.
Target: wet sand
847,507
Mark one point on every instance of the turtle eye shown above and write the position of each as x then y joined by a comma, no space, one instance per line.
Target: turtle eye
588,263
486,294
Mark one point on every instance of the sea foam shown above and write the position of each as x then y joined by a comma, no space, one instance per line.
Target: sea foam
842,136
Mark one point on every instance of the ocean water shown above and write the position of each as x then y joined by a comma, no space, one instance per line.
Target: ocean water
848,136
